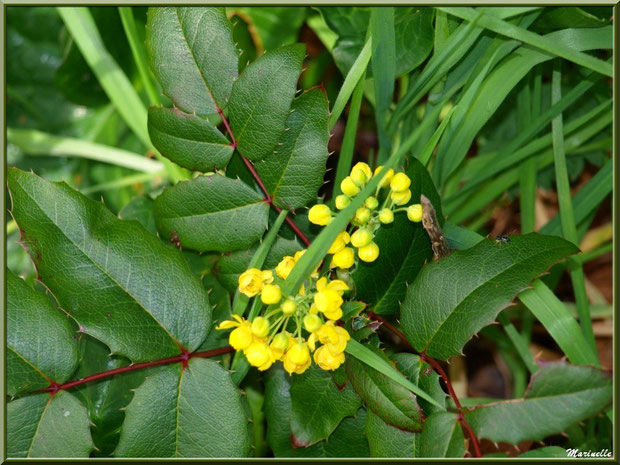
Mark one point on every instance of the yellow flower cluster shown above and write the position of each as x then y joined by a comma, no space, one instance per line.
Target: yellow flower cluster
279,333
369,217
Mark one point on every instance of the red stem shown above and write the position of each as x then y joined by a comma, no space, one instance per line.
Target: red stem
441,372
255,175
184,357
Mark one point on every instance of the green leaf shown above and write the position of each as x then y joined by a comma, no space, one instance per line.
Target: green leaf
275,25
140,209
456,296
559,395
294,173
347,440
564,17
191,412
261,100
318,406
387,441
192,56
188,140
545,452
404,247
118,281
45,425
212,213
392,402
422,375
442,436
40,344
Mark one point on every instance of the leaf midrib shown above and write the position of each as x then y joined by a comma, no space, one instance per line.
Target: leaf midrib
196,215
223,143
37,369
49,401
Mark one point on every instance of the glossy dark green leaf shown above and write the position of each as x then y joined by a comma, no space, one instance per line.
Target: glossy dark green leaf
261,100
40,343
442,436
188,140
554,18
318,406
192,412
404,247
46,426
118,281
455,297
392,402
421,374
212,213
140,209
295,173
347,440
387,441
558,396
192,56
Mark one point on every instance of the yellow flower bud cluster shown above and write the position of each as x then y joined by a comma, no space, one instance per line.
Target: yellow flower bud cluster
290,327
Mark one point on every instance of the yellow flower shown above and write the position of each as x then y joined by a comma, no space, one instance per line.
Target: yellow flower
328,298
371,203
386,216
267,276
342,201
326,360
414,212
368,253
361,237
361,173
251,282
334,314
348,187
260,327
385,181
284,268
258,354
344,259
401,198
333,337
241,337
289,306
400,182
312,323
320,214
341,241
271,294
362,215
279,344
297,358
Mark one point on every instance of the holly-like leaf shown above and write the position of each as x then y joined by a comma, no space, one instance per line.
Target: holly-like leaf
390,401
318,406
404,247
192,56
191,412
347,440
558,396
261,100
40,344
230,266
442,436
188,140
46,426
294,173
421,374
454,297
387,441
118,281
212,213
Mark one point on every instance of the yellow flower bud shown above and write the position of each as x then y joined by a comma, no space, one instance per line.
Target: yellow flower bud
400,182
414,212
241,337
362,215
285,266
371,203
342,201
260,327
280,342
401,198
386,216
361,173
299,354
348,187
251,282
271,294
368,253
344,259
341,241
312,323
289,306
257,353
361,237
326,360
320,214
387,177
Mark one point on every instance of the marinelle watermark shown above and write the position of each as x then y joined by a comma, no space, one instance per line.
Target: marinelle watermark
605,453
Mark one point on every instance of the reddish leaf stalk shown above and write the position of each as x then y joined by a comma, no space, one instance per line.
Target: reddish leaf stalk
257,178
184,358
441,372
